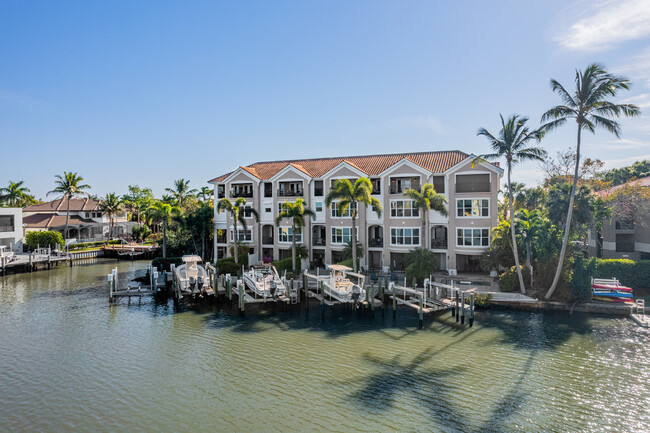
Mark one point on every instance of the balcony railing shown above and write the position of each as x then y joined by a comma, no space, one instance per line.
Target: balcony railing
236,194
221,240
439,243
7,228
267,240
394,189
318,242
289,193
376,242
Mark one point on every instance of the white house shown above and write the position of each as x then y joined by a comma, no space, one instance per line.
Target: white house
11,228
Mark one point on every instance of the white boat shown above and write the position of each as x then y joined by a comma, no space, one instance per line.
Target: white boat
265,281
6,254
192,278
339,286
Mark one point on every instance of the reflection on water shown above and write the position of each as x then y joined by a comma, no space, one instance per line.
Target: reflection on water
69,361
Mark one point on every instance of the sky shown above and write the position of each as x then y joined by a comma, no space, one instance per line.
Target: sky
143,93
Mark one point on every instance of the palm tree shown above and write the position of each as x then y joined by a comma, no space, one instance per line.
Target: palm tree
205,193
512,144
163,213
110,206
296,212
421,263
349,196
69,185
15,194
427,199
181,191
590,109
236,211
529,224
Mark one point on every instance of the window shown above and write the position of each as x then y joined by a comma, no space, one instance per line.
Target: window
405,236
247,210
337,214
473,183
318,188
243,235
472,208
285,234
7,223
268,189
624,243
404,208
376,186
268,209
282,206
342,235
87,214
473,237
319,206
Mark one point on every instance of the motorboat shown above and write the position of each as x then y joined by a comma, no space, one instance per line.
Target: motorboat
339,286
192,278
6,253
265,281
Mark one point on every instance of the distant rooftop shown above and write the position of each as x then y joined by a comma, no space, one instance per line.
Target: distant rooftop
61,205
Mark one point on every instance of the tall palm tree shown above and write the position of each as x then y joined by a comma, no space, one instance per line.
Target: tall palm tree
513,145
349,196
296,212
427,199
589,106
181,191
163,213
68,186
110,206
236,211
15,194
205,193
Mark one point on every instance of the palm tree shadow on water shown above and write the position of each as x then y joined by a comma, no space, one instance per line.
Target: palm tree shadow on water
531,332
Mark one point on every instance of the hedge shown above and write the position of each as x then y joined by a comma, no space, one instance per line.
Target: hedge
509,280
628,272
84,245
44,239
285,265
227,265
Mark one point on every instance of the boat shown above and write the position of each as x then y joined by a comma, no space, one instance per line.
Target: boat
265,281
339,286
6,254
611,287
612,294
617,300
610,290
192,278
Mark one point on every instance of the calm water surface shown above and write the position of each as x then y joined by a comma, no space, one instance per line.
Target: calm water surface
71,362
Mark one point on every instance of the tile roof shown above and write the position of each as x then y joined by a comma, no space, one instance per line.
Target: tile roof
644,181
76,205
48,220
371,165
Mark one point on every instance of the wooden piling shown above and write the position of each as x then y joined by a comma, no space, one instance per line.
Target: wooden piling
462,308
322,301
421,312
240,288
394,302
471,310
457,306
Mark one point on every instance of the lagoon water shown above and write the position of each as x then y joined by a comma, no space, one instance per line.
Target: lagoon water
71,362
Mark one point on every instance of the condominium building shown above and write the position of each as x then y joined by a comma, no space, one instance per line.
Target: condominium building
622,238
458,240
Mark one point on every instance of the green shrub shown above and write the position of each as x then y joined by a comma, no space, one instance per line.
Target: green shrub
509,281
44,239
227,265
583,270
285,265
482,300
628,272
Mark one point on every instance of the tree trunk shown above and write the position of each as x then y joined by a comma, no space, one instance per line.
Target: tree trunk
515,251
354,244
293,248
67,217
567,227
236,245
425,230
164,240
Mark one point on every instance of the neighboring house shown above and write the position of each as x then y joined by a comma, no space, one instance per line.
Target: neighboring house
11,228
457,241
86,223
621,239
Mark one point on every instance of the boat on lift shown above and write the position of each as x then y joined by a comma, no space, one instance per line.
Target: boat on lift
192,278
339,286
265,281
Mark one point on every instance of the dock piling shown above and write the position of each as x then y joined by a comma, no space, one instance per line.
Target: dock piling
471,310
462,308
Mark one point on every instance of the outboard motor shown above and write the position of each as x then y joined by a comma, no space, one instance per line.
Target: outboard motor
192,284
201,281
356,293
273,289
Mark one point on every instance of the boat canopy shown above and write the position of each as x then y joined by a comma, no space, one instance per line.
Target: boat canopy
339,268
192,258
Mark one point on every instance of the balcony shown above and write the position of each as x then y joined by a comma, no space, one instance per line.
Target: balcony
472,187
624,247
267,240
289,193
318,242
376,242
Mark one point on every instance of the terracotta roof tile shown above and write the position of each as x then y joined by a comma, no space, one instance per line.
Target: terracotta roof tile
76,205
371,165
49,220
644,181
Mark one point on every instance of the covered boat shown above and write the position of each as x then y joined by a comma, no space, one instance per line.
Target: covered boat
339,286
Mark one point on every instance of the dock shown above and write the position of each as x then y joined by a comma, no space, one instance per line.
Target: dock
29,262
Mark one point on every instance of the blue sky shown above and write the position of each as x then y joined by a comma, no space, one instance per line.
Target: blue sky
147,92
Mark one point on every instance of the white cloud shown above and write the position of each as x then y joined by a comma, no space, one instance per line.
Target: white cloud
625,144
607,24
624,162
427,121
638,69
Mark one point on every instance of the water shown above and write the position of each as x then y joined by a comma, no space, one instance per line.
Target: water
71,362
